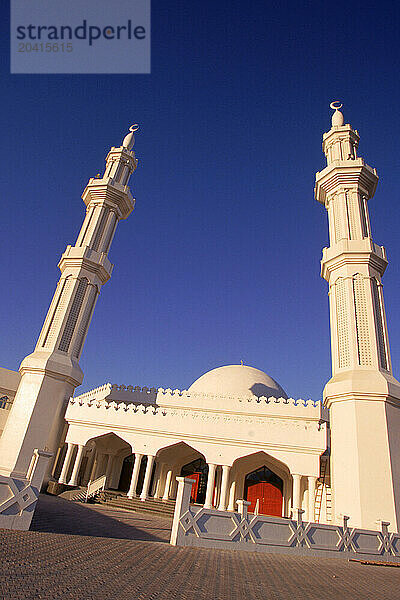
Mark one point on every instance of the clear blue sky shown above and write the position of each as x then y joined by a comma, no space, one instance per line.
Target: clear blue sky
220,259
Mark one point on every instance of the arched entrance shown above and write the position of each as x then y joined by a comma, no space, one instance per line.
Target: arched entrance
264,486
197,470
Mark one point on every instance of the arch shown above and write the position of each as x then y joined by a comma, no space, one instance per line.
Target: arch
102,455
264,489
246,465
170,461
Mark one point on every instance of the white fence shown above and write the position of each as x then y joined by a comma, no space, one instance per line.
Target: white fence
211,528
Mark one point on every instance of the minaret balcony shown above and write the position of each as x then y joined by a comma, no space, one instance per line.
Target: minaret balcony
111,193
84,258
345,174
353,253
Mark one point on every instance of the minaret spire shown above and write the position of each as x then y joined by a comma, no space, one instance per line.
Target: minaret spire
52,371
353,264
362,390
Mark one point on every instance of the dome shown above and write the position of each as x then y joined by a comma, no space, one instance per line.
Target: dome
237,380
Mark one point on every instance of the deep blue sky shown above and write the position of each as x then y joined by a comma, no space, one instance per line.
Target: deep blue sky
220,259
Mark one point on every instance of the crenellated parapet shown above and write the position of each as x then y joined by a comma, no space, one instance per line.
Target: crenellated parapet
121,396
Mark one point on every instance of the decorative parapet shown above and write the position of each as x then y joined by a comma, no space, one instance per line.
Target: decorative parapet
211,528
168,398
101,390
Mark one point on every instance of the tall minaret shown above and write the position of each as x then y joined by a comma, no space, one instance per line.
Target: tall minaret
362,395
51,372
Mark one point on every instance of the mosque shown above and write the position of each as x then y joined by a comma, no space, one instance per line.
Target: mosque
234,431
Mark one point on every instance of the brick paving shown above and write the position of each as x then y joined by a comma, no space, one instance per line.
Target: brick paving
89,552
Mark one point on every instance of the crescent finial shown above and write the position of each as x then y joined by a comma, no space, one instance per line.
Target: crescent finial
129,139
337,117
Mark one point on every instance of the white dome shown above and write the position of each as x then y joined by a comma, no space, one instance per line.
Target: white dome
237,380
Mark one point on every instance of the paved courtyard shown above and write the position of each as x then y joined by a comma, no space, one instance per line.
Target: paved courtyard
89,552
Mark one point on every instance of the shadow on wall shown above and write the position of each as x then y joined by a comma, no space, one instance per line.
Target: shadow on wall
56,515
260,389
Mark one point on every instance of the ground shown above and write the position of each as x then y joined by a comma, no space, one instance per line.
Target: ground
89,552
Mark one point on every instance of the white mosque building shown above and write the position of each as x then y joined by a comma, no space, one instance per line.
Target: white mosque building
234,431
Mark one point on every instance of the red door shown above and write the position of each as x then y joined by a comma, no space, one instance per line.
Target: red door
269,497
195,486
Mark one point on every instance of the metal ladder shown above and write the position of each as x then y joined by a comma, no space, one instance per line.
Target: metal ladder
320,491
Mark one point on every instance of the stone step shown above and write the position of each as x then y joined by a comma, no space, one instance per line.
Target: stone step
142,508
152,505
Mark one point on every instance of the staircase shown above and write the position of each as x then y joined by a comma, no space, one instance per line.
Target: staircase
83,494
114,499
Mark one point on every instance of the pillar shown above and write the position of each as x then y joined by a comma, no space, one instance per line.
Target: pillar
296,503
210,485
109,466
311,497
232,493
55,463
99,465
135,474
67,461
89,466
147,477
161,472
77,465
95,462
167,485
224,487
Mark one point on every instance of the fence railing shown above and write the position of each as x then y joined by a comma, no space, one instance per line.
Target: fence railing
96,486
212,528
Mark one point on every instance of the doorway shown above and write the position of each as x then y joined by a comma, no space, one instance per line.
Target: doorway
264,487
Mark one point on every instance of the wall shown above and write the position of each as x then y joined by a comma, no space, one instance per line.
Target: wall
209,528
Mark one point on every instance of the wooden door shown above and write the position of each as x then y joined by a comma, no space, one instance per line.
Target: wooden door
269,497
195,485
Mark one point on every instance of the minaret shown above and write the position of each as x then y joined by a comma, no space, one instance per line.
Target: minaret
51,372
362,395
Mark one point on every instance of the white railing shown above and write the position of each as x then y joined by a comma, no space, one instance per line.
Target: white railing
96,486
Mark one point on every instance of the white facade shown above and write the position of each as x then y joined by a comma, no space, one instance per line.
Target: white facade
234,434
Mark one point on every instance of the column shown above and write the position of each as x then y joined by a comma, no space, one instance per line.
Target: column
94,465
167,484
311,497
147,477
296,501
89,466
67,460
106,240
110,460
224,487
135,474
232,493
99,465
161,472
210,485
77,465
55,463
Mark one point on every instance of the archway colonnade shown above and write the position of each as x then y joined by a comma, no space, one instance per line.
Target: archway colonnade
154,475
